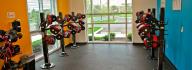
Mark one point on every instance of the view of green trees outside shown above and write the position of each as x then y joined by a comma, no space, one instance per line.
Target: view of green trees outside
33,14
116,13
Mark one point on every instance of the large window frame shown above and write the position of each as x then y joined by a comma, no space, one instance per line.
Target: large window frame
92,23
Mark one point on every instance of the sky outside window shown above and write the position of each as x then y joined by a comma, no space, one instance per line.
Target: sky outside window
33,4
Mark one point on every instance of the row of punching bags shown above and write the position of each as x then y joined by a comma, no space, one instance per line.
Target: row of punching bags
74,28
147,26
74,23
152,31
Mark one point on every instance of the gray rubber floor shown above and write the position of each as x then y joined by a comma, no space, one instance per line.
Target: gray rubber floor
104,57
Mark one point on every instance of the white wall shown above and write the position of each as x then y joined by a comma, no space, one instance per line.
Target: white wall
79,6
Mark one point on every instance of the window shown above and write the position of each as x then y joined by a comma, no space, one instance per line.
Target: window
34,9
33,14
109,20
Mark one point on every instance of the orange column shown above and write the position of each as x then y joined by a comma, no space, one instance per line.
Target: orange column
63,6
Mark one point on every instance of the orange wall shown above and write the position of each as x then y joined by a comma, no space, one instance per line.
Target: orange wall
63,6
20,9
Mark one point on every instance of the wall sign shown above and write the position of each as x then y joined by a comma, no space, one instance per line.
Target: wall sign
10,14
176,4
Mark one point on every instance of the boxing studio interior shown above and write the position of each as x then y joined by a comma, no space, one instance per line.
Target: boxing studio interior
95,35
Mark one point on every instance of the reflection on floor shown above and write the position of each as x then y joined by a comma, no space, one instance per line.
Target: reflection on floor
104,57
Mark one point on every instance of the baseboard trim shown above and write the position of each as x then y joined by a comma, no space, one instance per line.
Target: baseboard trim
137,43
82,42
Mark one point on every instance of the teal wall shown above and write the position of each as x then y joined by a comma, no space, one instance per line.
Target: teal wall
178,44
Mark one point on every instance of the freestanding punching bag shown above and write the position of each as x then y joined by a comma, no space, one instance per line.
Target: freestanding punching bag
74,33
152,48
161,40
62,44
47,63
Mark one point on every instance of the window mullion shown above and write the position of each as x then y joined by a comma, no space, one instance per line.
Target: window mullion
92,22
126,20
109,29
40,5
